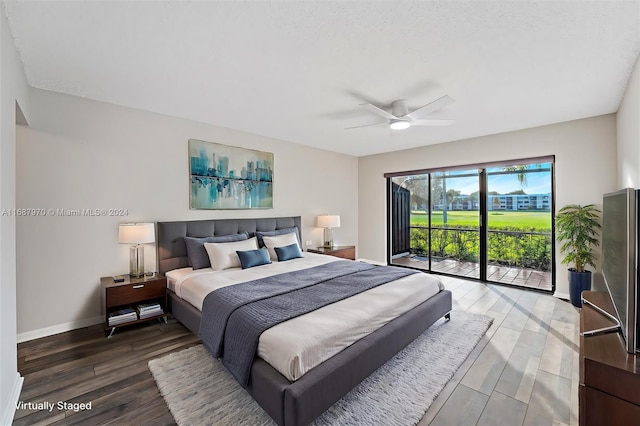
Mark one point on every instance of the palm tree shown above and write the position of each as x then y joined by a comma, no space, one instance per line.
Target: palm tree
522,177
496,202
439,192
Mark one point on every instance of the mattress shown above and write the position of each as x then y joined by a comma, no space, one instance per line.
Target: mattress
296,346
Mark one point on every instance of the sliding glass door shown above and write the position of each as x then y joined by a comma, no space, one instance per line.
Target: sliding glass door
455,223
519,222
490,222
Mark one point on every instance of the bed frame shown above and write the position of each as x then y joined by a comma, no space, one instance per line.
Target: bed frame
300,402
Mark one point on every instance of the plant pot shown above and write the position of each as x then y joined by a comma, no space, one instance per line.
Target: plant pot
578,282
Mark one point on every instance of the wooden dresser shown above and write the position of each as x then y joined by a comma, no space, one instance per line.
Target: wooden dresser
609,390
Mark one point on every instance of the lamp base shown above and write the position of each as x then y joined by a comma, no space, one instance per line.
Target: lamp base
328,238
136,261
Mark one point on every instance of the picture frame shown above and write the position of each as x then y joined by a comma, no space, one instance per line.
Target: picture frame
224,177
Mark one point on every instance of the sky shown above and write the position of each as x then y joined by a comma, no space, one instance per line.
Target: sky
537,183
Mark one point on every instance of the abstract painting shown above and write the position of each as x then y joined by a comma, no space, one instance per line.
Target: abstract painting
229,177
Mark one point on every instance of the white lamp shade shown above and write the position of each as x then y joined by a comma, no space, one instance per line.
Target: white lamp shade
329,221
136,233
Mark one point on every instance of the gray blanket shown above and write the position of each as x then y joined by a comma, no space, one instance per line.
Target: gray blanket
234,317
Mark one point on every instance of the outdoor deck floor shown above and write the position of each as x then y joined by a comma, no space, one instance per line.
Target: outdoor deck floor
523,277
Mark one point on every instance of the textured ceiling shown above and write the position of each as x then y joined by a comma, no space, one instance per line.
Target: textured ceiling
297,71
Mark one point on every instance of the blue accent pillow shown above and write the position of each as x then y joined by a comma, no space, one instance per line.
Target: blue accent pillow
288,252
260,234
251,258
197,256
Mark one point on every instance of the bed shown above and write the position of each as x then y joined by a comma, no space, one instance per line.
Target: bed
294,400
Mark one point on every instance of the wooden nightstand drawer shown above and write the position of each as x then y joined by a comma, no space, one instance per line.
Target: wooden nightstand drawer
136,292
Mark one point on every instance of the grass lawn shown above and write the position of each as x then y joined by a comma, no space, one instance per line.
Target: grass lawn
497,219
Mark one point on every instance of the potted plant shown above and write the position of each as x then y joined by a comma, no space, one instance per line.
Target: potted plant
577,228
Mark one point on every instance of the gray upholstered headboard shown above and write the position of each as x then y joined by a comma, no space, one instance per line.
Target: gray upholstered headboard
172,252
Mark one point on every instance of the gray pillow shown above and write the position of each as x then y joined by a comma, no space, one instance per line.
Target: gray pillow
292,230
196,254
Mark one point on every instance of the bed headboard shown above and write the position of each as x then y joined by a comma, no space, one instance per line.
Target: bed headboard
172,251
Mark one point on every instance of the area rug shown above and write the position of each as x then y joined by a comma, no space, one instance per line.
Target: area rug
198,389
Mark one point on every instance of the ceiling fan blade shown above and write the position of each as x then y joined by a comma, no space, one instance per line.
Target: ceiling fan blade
431,122
379,111
432,107
367,125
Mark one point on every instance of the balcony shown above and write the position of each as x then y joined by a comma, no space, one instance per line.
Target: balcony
512,275
515,257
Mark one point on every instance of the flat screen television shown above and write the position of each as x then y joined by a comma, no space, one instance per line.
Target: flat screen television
620,261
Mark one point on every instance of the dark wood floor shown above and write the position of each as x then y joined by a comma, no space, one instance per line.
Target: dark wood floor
82,366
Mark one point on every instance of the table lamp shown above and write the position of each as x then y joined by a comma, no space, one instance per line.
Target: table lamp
328,222
136,234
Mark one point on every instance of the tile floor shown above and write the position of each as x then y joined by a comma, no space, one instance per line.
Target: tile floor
524,371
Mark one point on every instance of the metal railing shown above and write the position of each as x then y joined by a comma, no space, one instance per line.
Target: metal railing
526,249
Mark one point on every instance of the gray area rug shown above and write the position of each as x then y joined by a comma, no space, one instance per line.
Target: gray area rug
199,390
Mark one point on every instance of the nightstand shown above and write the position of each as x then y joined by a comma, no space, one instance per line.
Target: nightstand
129,295
345,252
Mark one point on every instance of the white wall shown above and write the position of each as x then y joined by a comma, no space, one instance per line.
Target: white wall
628,133
585,153
79,153
13,88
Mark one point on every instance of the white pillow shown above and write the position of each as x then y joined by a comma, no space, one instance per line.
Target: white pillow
279,241
224,256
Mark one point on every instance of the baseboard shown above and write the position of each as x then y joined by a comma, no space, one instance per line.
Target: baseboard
56,329
373,262
564,296
9,410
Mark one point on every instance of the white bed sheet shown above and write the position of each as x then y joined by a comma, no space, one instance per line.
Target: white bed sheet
296,346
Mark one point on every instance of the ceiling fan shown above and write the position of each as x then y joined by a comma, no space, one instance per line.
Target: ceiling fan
400,118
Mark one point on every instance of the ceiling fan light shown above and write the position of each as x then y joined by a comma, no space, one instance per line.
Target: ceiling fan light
399,124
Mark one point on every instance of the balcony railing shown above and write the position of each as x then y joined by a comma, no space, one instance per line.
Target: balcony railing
527,249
